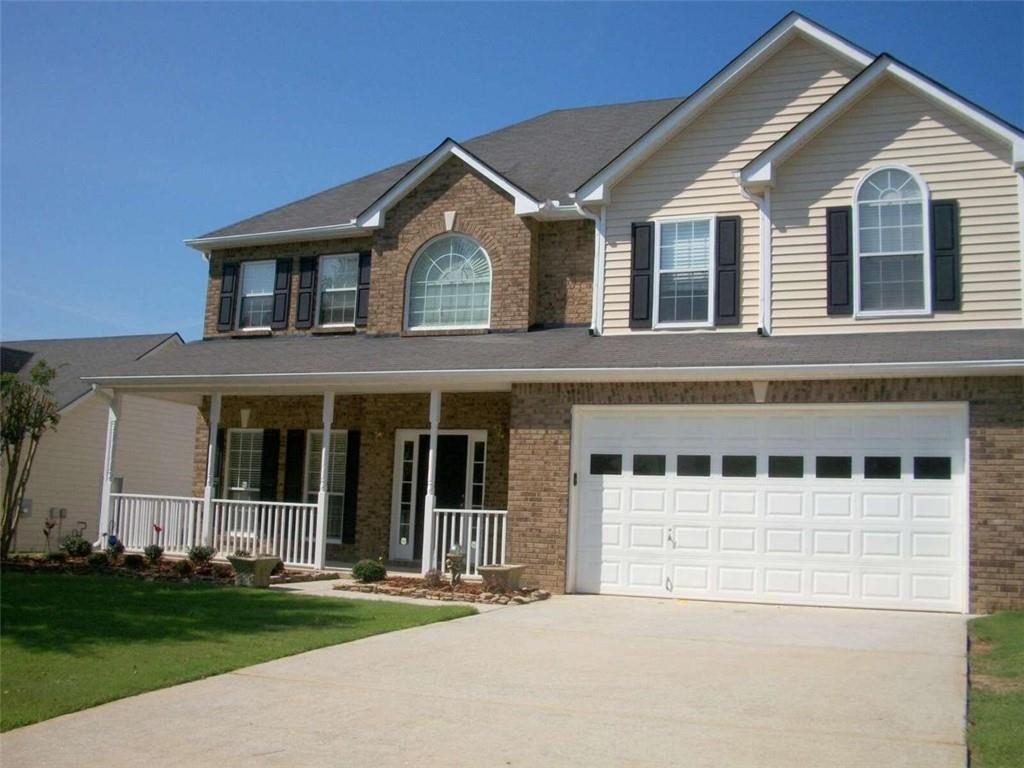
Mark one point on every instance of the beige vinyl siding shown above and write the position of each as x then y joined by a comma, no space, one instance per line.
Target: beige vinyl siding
154,455
892,124
693,173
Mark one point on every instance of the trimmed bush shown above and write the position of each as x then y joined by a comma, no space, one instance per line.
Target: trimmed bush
433,578
153,553
183,567
135,562
98,559
200,555
369,570
76,546
57,557
114,550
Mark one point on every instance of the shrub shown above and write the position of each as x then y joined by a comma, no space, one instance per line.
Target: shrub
183,567
57,557
153,553
241,553
369,570
278,569
433,578
135,562
223,571
98,559
114,549
76,546
201,555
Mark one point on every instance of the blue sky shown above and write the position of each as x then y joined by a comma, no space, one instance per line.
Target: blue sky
128,127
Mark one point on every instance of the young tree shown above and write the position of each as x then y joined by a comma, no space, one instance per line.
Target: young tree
27,410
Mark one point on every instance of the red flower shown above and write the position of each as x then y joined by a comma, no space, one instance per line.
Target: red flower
157,528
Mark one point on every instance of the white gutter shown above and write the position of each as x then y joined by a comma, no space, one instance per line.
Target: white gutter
764,292
350,229
597,283
418,380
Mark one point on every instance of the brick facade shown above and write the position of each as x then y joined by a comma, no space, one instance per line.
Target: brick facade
539,463
541,271
377,417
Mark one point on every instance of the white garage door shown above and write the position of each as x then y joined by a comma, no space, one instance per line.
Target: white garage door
822,505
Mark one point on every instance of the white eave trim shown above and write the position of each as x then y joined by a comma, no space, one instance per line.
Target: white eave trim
328,232
760,172
414,380
373,216
596,189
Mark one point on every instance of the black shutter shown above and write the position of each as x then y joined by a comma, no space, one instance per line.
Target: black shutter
641,280
218,463
839,261
282,287
727,271
363,294
228,290
348,518
945,256
268,466
294,464
304,306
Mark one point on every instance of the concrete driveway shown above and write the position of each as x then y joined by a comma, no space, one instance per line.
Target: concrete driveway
574,681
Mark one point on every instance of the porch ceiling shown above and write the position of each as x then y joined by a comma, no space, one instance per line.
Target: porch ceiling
493,362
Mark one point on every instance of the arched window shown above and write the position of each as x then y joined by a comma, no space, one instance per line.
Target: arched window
891,242
449,285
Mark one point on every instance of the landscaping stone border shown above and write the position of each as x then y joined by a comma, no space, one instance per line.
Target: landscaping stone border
520,597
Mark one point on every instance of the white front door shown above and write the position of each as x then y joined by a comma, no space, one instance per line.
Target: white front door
458,482
860,505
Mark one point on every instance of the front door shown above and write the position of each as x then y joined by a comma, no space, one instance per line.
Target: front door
455,478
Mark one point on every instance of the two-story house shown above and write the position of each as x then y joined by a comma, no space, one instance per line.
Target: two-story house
764,343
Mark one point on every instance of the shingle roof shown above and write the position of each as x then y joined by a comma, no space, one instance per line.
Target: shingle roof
567,348
547,156
74,358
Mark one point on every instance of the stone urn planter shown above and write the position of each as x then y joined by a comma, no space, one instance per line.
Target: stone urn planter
501,578
253,571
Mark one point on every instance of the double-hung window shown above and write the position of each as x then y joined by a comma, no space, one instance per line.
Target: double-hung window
335,476
244,464
891,245
257,305
683,284
339,283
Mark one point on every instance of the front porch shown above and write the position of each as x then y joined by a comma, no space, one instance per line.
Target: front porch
409,476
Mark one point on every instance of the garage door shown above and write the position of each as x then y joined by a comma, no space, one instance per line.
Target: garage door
832,505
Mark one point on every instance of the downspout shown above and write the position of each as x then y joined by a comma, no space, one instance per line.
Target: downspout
764,209
597,283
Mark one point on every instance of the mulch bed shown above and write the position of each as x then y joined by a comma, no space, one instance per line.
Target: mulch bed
165,570
466,591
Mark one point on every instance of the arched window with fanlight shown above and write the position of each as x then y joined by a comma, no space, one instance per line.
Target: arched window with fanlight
449,285
891,247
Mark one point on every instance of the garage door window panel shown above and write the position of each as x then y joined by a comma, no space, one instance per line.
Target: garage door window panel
834,467
606,463
882,467
739,466
649,465
786,466
692,465
932,468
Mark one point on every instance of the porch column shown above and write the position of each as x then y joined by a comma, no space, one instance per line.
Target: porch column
427,559
321,497
211,467
113,414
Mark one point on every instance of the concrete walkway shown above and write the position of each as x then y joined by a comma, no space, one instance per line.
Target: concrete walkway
573,681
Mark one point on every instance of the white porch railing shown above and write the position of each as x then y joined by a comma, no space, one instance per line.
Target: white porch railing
173,522
282,528
480,533
176,524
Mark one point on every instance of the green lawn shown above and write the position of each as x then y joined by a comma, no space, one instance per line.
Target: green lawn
995,731
71,642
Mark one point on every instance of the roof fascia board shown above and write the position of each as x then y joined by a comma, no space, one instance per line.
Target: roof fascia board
420,380
373,217
327,232
760,172
597,188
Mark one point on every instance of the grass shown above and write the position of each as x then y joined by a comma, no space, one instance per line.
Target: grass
71,642
995,733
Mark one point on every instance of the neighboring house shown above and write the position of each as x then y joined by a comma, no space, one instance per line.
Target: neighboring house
153,450
764,343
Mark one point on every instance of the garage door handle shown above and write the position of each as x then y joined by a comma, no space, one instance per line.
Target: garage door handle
668,535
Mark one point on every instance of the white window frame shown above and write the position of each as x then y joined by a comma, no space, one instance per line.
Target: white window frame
926,251
408,289
227,488
336,434
242,296
712,220
320,291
